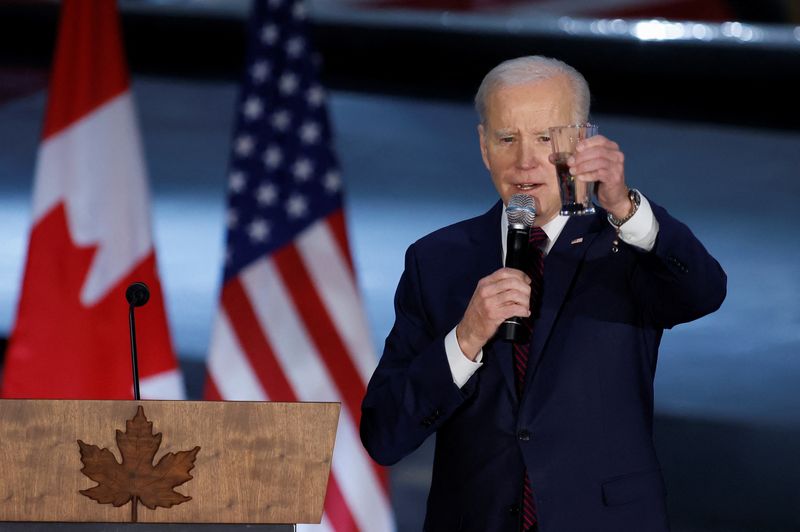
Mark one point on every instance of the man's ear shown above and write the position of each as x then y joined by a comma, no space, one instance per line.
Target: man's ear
484,147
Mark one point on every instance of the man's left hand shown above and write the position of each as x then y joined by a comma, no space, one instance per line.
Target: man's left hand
600,160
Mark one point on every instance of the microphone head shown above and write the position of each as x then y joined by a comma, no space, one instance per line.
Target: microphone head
521,210
137,294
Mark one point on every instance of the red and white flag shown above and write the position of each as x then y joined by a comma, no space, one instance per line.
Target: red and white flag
91,233
291,326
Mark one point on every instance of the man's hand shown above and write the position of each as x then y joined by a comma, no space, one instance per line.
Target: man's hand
504,294
600,159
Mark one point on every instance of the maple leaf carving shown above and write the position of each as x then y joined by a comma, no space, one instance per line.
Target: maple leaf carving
136,478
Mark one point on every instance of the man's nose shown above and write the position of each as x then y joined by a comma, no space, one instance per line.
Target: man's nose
528,156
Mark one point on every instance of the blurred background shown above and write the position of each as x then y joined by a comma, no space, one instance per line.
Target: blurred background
702,95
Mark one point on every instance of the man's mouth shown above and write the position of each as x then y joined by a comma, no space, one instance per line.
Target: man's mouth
527,186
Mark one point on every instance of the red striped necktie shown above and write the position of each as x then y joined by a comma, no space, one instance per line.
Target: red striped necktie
521,352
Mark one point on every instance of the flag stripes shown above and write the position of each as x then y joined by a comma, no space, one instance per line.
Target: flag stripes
339,515
290,325
360,482
272,352
258,353
230,373
339,232
321,332
332,275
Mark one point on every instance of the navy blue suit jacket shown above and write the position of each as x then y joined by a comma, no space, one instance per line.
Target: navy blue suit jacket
583,426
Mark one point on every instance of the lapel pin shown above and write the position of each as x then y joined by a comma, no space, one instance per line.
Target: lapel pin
576,241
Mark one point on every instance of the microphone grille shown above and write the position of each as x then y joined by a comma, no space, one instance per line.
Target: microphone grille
137,294
521,210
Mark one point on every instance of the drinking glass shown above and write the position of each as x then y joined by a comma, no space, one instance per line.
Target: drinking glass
576,196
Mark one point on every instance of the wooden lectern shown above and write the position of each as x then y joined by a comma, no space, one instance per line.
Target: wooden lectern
257,462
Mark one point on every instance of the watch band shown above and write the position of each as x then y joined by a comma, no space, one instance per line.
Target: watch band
636,200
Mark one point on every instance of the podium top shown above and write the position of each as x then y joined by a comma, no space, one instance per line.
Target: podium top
258,462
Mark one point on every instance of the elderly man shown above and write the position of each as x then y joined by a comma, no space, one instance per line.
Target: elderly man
554,434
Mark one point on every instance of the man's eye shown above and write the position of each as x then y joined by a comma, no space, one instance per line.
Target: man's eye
543,138
506,140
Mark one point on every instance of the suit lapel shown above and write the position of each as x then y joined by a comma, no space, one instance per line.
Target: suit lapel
486,237
560,267
561,264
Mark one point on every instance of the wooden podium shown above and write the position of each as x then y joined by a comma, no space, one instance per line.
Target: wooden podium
257,462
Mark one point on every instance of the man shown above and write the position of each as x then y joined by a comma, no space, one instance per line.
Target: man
571,449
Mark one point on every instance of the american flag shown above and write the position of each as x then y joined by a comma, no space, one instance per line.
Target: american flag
290,325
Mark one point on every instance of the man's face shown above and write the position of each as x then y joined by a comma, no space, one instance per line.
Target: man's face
515,144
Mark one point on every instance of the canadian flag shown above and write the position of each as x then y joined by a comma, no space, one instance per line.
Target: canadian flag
91,234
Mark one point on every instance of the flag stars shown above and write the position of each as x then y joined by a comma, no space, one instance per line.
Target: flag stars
299,11
287,84
296,206
237,181
281,119
332,181
295,47
284,135
302,170
260,71
244,145
253,108
273,157
258,230
267,194
315,96
310,132
269,34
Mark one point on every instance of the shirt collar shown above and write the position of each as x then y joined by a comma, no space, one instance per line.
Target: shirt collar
552,229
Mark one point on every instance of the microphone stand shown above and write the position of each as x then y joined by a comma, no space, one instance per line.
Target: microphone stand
137,295
134,361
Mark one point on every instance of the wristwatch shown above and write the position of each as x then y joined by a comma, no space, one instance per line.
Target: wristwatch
636,200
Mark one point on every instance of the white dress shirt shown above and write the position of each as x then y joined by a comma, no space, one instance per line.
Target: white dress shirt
640,231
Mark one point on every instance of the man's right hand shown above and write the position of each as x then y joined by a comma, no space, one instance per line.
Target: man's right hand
504,294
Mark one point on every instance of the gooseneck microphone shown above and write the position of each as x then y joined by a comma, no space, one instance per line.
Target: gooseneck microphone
137,295
521,212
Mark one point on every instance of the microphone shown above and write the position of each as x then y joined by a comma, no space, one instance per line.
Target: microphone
521,212
137,295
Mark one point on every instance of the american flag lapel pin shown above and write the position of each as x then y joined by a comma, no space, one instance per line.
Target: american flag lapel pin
576,241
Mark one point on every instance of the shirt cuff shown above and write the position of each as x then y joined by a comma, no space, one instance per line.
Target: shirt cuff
461,368
641,230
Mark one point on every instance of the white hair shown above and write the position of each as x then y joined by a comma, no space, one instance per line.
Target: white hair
531,69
